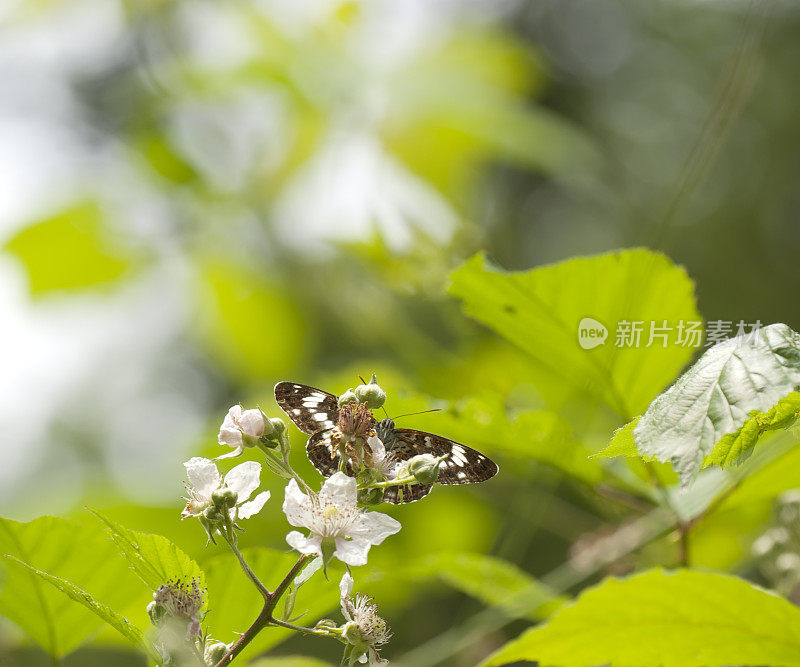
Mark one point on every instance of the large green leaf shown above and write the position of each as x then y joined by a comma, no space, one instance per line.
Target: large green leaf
715,398
153,557
74,551
133,634
71,250
663,618
290,661
541,311
236,602
491,580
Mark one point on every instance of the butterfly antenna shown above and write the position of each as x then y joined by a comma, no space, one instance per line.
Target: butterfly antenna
421,412
363,381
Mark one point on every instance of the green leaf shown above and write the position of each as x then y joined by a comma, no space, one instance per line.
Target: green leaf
236,602
71,250
153,557
133,634
716,396
491,580
70,550
541,311
733,447
676,619
290,661
621,443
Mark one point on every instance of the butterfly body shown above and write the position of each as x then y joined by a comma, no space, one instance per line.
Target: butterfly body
331,427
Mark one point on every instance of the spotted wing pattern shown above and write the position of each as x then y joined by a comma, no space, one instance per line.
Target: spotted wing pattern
323,454
462,465
311,409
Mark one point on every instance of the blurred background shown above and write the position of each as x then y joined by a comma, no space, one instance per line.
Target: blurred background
199,199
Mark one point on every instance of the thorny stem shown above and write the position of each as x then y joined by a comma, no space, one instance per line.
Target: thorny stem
265,618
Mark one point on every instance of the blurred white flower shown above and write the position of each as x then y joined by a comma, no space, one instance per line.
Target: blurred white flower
334,515
205,479
239,423
362,615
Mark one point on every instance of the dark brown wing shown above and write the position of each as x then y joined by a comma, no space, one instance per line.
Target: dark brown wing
311,409
406,494
323,454
462,464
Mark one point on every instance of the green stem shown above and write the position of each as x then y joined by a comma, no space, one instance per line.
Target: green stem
265,618
246,568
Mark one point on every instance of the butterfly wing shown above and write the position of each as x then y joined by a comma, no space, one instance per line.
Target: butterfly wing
311,409
461,465
323,453
406,494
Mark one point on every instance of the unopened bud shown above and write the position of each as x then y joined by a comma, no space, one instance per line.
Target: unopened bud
348,397
156,612
371,394
424,468
213,515
214,653
224,498
273,429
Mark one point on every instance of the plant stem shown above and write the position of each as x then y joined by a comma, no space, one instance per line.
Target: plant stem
246,568
265,618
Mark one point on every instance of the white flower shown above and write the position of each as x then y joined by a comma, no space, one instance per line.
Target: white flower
373,631
236,423
182,600
381,460
334,514
242,480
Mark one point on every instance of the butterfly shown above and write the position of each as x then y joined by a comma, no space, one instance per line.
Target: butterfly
318,414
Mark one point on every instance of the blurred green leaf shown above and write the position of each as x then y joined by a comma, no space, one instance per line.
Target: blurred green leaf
248,324
79,553
290,661
69,251
673,619
541,310
153,557
491,580
236,602
715,397
133,634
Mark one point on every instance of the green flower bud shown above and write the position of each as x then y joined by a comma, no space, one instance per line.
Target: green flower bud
213,515
371,394
224,498
156,612
273,429
348,397
352,634
424,468
215,652
370,497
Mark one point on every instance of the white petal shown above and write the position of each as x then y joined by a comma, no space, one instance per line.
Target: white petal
251,507
341,489
353,552
231,455
203,476
229,433
252,422
346,585
296,504
378,450
244,479
375,527
303,544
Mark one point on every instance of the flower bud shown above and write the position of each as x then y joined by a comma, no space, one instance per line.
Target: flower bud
156,612
424,468
224,498
214,653
370,497
352,634
273,429
371,394
348,397
213,515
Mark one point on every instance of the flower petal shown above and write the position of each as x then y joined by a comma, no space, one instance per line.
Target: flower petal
244,479
346,585
340,489
252,423
352,552
296,504
203,476
303,544
229,433
309,571
375,527
251,507
378,450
